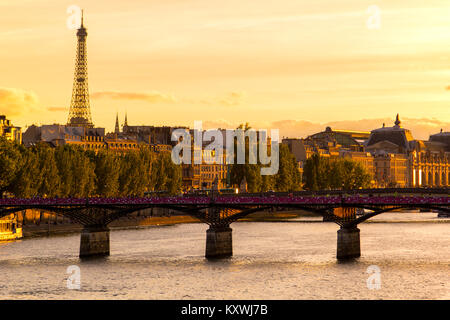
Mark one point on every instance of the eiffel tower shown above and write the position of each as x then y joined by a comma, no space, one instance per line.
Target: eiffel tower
80,110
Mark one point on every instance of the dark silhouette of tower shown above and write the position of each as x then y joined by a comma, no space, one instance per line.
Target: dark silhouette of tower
117,129
125,124
80,110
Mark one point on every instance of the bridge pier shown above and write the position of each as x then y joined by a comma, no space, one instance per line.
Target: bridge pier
94,241
348,243
219,242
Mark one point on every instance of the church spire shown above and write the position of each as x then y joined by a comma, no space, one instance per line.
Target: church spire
125,124
117,129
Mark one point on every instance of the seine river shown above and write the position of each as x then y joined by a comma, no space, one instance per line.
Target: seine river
272,260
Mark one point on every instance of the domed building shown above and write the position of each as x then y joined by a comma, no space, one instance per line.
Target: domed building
402,161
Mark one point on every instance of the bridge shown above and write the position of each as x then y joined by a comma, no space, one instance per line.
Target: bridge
220,211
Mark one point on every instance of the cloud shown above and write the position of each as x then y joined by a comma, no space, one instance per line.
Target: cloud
232,99
16,102
421,128
151,97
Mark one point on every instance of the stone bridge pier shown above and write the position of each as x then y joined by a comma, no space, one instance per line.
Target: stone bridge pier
94,241
348,243
219,242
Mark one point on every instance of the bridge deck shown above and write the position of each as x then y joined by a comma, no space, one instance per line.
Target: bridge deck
233,200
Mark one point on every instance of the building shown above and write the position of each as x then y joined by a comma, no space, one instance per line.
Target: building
205,175
8,131
391,154
340,139
401,160
88,138
332,144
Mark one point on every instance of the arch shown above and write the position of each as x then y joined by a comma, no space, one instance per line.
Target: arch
372,214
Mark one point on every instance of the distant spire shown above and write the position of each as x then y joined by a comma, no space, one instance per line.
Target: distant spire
126,121
397,120
117,130
82,17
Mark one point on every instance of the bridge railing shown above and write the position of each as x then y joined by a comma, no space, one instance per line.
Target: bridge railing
235,200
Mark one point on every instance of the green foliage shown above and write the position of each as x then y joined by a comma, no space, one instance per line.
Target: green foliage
106,164
287,179
166,175
71,171
10,160
320,173
27,178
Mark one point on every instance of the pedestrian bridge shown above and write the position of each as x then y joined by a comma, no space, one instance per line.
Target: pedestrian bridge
219,211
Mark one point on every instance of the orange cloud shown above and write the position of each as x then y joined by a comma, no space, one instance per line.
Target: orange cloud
16,102
421,128
232,99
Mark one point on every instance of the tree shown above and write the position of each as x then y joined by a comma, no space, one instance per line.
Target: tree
107,172
10,159
27,177
76,171
166,176
322,173
287,179
251,172
288,176
50,180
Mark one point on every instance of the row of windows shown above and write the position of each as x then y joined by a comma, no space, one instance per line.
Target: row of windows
213,176
112,145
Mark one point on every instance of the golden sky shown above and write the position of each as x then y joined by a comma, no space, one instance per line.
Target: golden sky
295,65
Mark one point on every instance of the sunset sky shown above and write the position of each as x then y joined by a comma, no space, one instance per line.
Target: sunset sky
295,65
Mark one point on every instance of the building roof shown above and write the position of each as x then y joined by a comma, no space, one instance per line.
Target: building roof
344,138
396,135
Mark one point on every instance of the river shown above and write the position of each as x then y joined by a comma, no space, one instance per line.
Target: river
272,260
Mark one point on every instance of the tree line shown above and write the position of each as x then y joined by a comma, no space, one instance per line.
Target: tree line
71,171
324,173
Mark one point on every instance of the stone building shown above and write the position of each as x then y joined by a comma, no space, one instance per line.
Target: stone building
400,160
8,131
332,143
391,154
87,138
